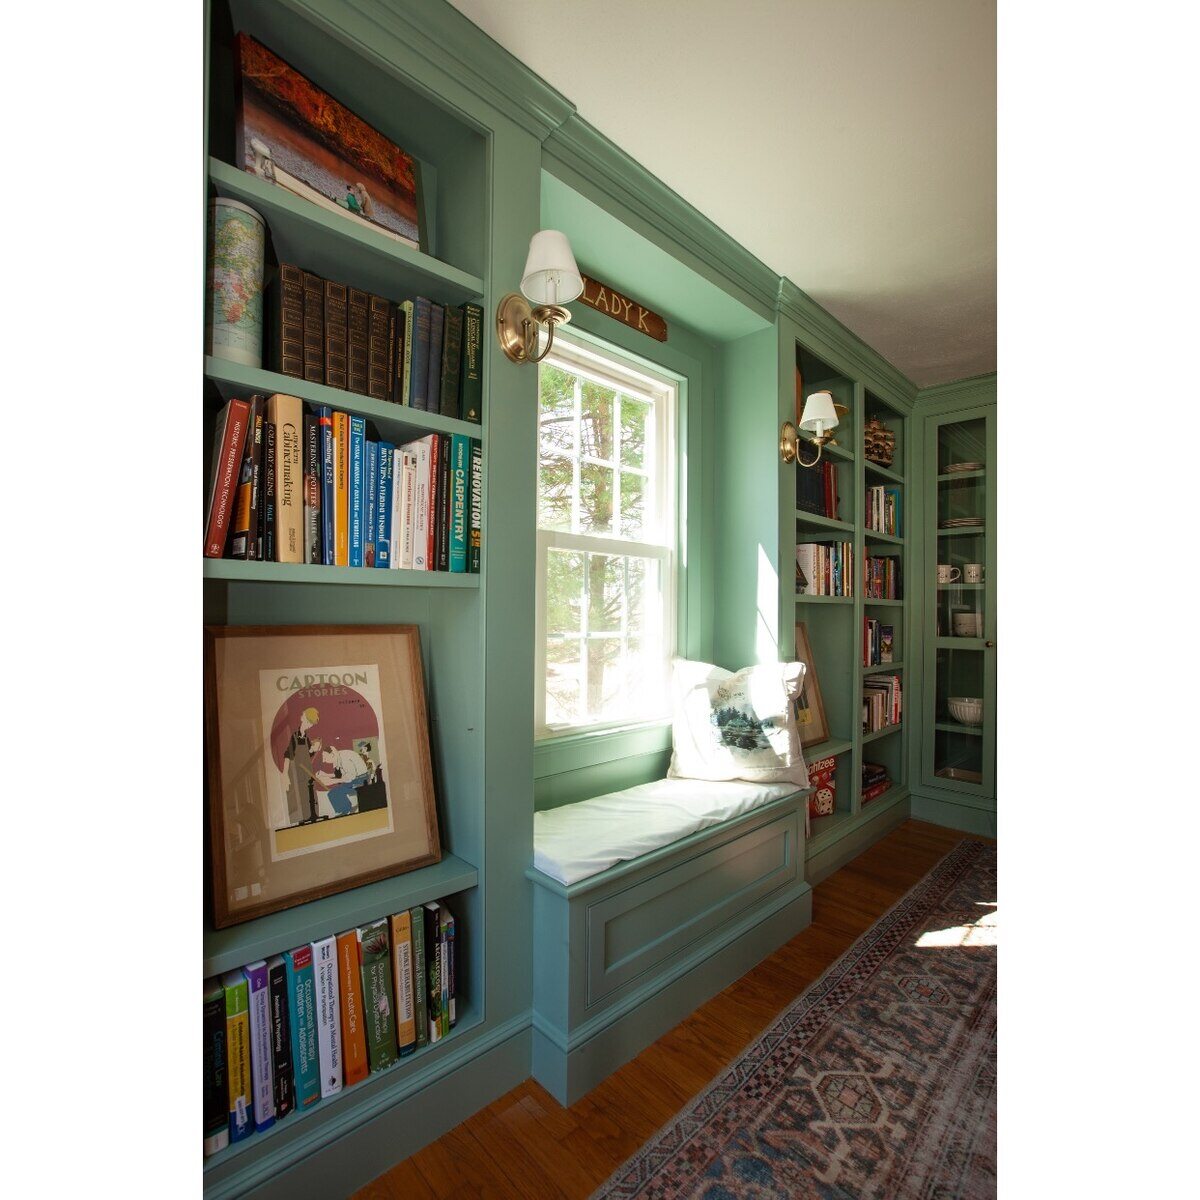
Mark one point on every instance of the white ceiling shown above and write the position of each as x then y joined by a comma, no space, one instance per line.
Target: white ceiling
849,144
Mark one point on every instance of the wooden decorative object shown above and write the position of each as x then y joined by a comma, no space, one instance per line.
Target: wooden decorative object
606,299
319,775
879,443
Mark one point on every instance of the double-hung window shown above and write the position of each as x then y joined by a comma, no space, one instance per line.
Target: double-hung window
606,541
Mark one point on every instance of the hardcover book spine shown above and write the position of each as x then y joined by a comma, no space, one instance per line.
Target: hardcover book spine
371,500
269,482
237,1055
377,994
354,1041
396,548
444,956
239,543
420,1004
260,1045
281,1038
471,371
451,362
426,450
328,471
420,353
443,502
216,1093
358,462
314,328
228,442
460,465
341,489
329,1017
287,354
377,347
408,514
302,1016
357,335
475,528
406,312
450,937
437,324
286,413
402,977
386,455
399,339
433,970
254,548
313,552
337,361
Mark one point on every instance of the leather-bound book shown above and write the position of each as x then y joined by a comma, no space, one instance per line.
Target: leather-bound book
287,321
337,372
314,328
358,329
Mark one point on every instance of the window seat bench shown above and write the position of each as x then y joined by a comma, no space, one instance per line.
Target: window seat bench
646,903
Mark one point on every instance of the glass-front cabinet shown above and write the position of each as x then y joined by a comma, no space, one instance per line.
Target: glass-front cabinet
959,751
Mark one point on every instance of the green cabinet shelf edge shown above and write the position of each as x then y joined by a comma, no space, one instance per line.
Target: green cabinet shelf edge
820,522
234,570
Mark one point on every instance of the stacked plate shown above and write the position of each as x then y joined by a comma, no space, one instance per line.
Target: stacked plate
961,523
954,468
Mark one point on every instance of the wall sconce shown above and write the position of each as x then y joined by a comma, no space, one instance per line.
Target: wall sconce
819,419
551,280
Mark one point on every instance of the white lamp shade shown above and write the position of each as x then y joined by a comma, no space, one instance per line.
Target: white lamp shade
551,276
819,414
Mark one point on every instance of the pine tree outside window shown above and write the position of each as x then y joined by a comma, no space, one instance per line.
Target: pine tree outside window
606,542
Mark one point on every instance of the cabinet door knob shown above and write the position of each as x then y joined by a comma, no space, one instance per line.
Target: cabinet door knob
990,645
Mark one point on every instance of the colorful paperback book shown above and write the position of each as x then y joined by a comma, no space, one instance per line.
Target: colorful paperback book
216,1094
475,523
375,956
328,468
354,1038
408,509
386,458
433,969
442,512
329,1017
260,1045
371,490
286,414
229,440
358,465
402,979
460,470
254,548
237,1055
341,489
449,939
302,1016
420,1004
423,449
399,458
281,1038
470,386
312,489
243,530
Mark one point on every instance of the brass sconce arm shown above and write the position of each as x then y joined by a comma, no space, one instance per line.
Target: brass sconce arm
518,325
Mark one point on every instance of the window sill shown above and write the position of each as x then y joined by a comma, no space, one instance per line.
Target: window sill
556,753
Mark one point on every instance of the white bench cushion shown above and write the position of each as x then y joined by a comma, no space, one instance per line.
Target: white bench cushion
576,841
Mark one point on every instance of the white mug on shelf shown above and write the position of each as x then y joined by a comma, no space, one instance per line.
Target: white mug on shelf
973,573
968,624
948,574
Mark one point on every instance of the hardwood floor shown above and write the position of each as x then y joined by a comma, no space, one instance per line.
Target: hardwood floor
526,1144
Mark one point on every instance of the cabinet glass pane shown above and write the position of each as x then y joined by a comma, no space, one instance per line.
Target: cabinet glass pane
959,715
962,532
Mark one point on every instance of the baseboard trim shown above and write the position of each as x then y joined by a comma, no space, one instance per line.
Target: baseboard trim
874,823
968,818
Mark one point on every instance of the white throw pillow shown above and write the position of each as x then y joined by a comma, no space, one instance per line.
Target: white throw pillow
737,724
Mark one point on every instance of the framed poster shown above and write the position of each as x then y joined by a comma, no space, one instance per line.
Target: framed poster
319,775
810,708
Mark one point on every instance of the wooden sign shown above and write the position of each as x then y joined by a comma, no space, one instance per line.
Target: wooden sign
621,308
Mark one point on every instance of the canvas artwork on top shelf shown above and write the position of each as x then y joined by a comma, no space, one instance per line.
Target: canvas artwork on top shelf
293,134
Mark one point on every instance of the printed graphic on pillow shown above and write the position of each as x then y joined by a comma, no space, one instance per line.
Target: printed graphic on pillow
742,730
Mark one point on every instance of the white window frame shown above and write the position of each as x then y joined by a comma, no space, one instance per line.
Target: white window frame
662,392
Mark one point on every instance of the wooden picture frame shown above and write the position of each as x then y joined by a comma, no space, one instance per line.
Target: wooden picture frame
319,772
810,705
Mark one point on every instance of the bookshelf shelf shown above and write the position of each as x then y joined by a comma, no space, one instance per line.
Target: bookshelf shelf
966,531
961,475
955,727
882,472
235,570
818,522
883,668
873,535
822,827
832,450
964,587
343,248
399,420
881,733
871,602
806,599
227,949
827,749
958,643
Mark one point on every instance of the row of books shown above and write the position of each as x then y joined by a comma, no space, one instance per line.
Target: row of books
816,490
881,702
284,1033
875,781
878,640
825,569
883,510
418,352
297,486
882,577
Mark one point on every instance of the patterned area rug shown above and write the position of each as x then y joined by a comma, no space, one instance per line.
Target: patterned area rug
878,1083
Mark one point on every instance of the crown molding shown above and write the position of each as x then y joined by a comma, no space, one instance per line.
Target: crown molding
633,190
961,393
824,334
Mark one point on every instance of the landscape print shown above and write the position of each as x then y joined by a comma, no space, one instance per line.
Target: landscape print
292,133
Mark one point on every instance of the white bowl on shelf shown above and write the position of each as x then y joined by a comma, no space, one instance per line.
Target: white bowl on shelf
966,710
